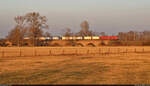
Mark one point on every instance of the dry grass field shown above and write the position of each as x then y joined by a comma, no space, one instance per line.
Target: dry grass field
50,51
121,68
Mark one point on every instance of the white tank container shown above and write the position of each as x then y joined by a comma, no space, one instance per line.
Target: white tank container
65,38
55,38
95,37
87,37
79,38
42,38
70,38
26,38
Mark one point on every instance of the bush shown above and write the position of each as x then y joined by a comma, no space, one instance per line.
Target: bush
146,43
115,43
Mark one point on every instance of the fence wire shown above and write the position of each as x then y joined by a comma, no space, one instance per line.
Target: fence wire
50,51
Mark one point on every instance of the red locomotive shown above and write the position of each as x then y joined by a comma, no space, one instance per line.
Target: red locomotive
109,37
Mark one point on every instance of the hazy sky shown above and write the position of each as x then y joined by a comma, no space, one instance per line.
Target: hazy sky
110,16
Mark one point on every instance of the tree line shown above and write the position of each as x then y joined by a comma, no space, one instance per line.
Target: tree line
134,36
32,25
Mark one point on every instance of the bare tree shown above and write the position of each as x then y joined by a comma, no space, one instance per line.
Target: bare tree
85,29
17,34
47,34
103,34
36,24
134,36
68,32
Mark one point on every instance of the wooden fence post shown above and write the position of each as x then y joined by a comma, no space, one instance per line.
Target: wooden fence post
3,53
63,52
34,52
135,50
118,50
99,50
50,52
20,52
109,51
126,51
76,52
88,51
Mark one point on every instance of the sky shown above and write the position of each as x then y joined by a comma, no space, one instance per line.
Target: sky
110,16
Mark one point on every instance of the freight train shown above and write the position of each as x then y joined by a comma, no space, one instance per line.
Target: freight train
78,38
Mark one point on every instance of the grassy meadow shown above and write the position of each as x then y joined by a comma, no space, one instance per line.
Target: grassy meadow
131,68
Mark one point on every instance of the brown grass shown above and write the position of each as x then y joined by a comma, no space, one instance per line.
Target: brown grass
132,68
50,51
